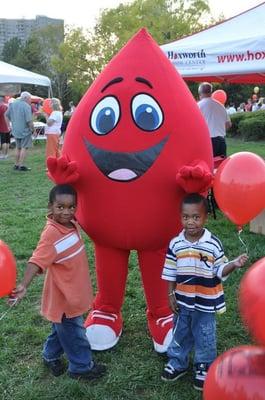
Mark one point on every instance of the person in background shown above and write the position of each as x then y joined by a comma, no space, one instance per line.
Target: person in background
262,107
256,106
4,129
67,291
248,106
195,267
20,114
68,113
241,107
71,107
216,118
231,109
53,129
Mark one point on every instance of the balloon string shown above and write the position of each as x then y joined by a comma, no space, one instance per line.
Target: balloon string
7,311
243,243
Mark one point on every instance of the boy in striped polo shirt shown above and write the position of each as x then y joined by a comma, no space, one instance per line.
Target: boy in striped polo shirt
195,267
67,291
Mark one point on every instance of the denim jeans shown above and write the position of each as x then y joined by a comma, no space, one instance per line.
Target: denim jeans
69,337
192,330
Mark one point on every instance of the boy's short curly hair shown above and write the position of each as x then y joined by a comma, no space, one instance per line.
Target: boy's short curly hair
61,189
195,198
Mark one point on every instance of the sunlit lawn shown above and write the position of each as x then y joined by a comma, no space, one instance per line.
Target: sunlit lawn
133,367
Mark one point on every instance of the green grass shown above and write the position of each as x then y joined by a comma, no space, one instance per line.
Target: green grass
236,145
133,367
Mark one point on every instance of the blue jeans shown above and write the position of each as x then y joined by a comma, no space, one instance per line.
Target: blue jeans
192,329
69,337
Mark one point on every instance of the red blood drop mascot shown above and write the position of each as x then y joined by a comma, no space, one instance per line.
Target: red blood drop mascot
134,146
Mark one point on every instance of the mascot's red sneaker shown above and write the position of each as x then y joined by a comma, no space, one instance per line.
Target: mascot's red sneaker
161,331
103,329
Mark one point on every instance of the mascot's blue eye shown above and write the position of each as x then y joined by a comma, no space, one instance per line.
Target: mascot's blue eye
105,115
146,112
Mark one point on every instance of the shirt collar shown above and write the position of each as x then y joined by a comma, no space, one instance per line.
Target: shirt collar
204,238
62,228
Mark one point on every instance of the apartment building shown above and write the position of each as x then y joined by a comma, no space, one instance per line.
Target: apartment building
22,28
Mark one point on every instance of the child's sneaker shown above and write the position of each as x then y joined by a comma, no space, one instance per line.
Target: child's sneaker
200,375
171,374
56,367
97,371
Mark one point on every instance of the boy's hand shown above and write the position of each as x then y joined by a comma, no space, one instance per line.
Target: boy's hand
240,261
173,302
17,294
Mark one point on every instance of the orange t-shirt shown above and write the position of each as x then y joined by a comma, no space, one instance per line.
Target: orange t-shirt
67,287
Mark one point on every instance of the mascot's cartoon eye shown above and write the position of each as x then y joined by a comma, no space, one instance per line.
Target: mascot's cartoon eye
105,115
146,112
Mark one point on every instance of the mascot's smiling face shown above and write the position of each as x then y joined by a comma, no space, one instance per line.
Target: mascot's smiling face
146,114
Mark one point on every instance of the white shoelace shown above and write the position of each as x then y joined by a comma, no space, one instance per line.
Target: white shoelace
104,315
164,320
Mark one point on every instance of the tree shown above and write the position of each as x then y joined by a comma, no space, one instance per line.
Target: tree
80,59
11,49
30,56
50,39
84,54
165,19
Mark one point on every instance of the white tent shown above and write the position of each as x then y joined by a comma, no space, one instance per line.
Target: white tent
11,74
232,51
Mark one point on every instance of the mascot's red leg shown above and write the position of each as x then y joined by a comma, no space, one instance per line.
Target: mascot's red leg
159,315
104,323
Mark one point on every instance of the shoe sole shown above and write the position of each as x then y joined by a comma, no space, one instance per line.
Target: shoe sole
173,379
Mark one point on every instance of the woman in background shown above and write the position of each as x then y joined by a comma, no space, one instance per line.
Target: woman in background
53,129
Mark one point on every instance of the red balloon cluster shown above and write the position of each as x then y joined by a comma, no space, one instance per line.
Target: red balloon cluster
237,374
252,300
239,187
7,270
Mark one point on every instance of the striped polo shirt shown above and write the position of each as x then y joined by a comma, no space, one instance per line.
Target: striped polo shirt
197,269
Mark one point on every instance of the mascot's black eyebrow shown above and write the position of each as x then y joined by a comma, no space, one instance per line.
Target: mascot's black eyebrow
145,81
116,80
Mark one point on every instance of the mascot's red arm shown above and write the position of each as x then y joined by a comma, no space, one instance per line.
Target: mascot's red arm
61,170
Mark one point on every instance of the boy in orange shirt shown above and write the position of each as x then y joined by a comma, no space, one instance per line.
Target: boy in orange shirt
67,291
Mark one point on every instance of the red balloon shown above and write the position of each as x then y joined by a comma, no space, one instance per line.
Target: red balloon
47,106
252,300
237,374
220,96
7,270
239,187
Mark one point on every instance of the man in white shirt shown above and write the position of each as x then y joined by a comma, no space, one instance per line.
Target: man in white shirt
231,109
216,118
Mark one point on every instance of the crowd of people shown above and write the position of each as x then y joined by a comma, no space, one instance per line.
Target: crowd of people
249,106
17,121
